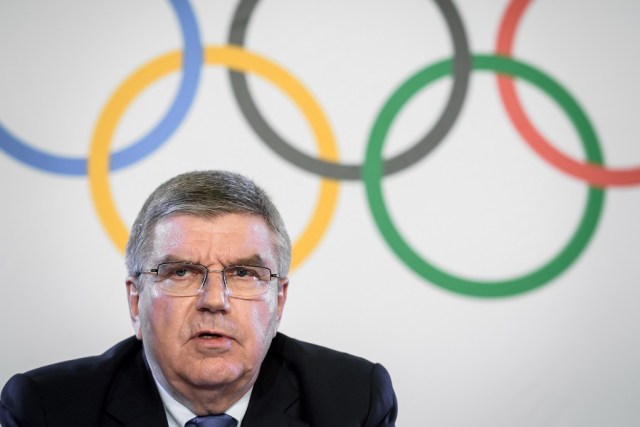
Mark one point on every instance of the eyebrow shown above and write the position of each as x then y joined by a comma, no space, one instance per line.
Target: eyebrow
250,260
256,260
171,258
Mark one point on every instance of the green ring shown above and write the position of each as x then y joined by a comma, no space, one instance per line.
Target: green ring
372,176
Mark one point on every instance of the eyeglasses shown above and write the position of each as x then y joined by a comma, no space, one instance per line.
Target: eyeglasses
187,279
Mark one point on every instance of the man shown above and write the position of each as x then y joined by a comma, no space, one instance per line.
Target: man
207,261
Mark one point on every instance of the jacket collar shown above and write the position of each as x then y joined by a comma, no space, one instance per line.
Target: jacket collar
142,405
275,399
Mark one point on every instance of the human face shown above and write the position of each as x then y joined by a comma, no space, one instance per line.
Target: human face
209,342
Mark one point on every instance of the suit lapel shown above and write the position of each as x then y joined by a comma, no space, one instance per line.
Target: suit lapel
275,399
134,398
273,418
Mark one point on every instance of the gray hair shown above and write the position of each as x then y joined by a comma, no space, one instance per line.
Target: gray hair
206,194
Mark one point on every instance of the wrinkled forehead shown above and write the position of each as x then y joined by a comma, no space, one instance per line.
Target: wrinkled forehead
228,238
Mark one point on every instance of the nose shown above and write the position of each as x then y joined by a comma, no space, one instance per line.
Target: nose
214,295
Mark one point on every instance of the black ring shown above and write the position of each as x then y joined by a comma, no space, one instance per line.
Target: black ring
461,71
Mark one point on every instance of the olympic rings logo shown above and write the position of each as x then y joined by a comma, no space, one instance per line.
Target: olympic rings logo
240,61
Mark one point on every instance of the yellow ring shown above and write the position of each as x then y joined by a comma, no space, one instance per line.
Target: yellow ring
239,60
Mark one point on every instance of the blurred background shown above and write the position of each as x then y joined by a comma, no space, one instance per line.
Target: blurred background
492,268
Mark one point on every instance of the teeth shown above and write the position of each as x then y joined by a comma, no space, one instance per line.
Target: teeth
209,336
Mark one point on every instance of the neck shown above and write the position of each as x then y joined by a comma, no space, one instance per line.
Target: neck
204,399
207,399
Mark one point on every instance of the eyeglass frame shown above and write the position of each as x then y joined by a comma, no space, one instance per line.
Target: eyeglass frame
222,272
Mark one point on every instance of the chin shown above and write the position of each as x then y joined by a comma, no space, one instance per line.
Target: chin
213,373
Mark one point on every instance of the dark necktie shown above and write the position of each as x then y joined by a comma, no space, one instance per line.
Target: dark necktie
221,420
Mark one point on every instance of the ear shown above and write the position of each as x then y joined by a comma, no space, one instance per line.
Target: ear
133,298
283,286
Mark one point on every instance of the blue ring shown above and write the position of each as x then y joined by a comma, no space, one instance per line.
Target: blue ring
191,66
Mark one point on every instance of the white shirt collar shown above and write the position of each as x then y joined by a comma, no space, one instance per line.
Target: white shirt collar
178,415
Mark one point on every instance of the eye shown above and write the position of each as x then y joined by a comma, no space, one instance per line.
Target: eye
243,272
179,271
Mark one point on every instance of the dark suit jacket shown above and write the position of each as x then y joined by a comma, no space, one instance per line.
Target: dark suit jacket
299,384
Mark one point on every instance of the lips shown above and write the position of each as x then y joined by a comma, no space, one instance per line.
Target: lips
206,335
209,334
212,340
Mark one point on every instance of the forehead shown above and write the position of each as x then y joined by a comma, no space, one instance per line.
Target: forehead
224,239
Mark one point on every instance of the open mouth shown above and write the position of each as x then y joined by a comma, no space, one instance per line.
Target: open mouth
212,340
207,335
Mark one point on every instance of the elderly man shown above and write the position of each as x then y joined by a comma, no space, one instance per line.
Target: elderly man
207,262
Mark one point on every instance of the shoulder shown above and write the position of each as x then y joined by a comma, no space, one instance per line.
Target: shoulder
74,384
330,378
84,370
300,354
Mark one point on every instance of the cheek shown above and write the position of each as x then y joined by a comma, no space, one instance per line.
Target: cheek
161,318
263,320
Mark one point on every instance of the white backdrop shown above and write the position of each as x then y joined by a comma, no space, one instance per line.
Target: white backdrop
482,205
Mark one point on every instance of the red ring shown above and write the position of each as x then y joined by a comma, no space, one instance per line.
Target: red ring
593,174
